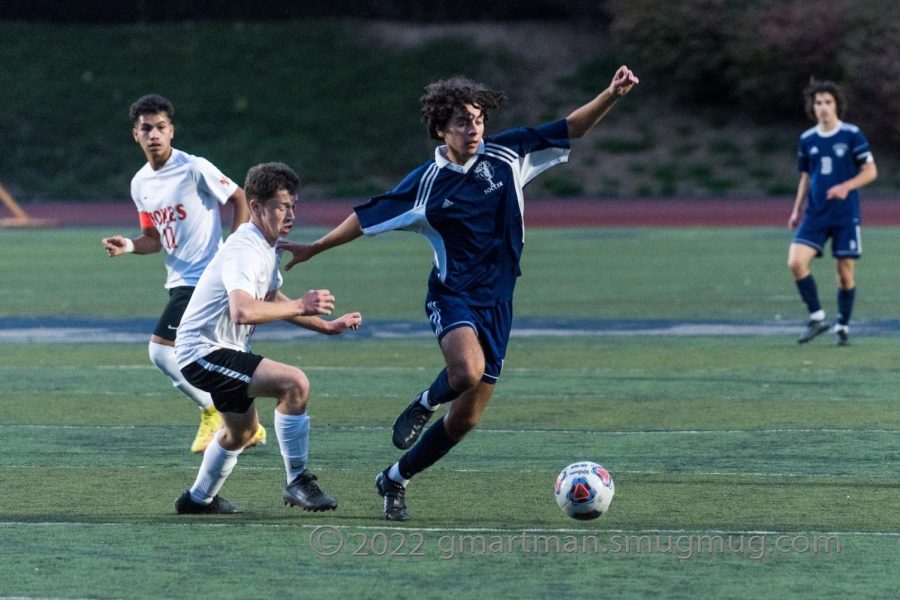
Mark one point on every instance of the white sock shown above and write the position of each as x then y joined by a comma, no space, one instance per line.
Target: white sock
292,432
819,315
214,470
163,357
424,402
394,473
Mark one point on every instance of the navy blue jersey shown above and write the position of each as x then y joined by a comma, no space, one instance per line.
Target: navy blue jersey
472,214
830,159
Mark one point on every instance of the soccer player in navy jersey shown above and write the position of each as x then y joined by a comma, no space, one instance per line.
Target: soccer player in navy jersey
468,202
834,161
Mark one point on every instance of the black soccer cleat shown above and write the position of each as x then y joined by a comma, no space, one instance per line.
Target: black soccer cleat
303,491
408,426
394,495
813,328
185,505
843,335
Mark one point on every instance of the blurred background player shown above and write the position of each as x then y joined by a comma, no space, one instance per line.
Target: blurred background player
178,198
468,202
239,290
834,161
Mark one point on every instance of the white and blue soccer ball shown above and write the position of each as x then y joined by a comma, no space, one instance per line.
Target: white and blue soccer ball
584,490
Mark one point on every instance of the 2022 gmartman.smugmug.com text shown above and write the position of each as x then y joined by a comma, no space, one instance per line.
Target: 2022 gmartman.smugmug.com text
328,540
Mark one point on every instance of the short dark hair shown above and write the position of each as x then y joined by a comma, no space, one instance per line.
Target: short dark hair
824,87
446,98
264,180
150,105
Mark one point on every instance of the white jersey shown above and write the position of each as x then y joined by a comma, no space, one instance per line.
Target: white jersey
246,262
181,200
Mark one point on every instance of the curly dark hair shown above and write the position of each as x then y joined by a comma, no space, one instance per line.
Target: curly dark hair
264,180
824,87
150,105
446,98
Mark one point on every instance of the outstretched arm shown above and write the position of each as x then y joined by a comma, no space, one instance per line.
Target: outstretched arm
350,321
347,231
584,118
247,310
147,243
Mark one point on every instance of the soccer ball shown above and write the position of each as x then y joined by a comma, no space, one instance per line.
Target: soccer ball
584,490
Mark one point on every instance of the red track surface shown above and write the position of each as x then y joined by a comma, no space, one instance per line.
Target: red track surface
538,213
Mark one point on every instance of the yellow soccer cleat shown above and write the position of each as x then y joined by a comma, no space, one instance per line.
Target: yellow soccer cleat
210,423
259,439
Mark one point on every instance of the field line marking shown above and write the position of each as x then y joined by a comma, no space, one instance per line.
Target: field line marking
277,468
452,529
622,432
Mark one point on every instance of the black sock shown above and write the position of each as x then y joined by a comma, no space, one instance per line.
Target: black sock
809,293
430,448
845,305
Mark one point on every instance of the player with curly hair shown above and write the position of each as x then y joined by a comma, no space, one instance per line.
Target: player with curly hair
468,202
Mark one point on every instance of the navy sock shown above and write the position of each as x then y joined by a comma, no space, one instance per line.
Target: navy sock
440,391
430,448
809,293
845,300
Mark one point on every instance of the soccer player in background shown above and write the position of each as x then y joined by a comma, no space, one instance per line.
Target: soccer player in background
834,161
238,291
177,196
468,202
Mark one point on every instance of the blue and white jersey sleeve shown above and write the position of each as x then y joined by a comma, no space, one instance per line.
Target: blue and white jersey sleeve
860,149
403,207
536,149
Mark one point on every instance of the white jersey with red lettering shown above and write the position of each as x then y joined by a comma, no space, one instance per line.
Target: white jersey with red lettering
181,200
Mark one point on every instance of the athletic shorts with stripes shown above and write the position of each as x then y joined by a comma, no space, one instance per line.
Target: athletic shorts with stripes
492,325
225,374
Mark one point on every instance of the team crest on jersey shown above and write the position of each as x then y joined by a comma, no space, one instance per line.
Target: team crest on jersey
814,150
840,150
485,172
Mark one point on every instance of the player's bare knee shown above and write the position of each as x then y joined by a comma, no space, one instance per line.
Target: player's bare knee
797,267
294,392
463,379
295,384
234,438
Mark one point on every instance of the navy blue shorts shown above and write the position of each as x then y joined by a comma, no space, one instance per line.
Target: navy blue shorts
491,323
225,374
846,241
172,313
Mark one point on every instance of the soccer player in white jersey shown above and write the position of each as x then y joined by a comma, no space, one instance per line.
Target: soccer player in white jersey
238,291
177,196
468,202
834,161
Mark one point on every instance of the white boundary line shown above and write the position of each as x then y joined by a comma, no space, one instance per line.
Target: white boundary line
527,431
499,530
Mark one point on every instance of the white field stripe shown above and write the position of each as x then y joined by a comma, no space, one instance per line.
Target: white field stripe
526,431
412,529
324,466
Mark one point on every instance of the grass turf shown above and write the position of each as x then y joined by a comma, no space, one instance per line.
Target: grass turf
744,465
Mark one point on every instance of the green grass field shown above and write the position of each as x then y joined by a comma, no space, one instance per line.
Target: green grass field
745,466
